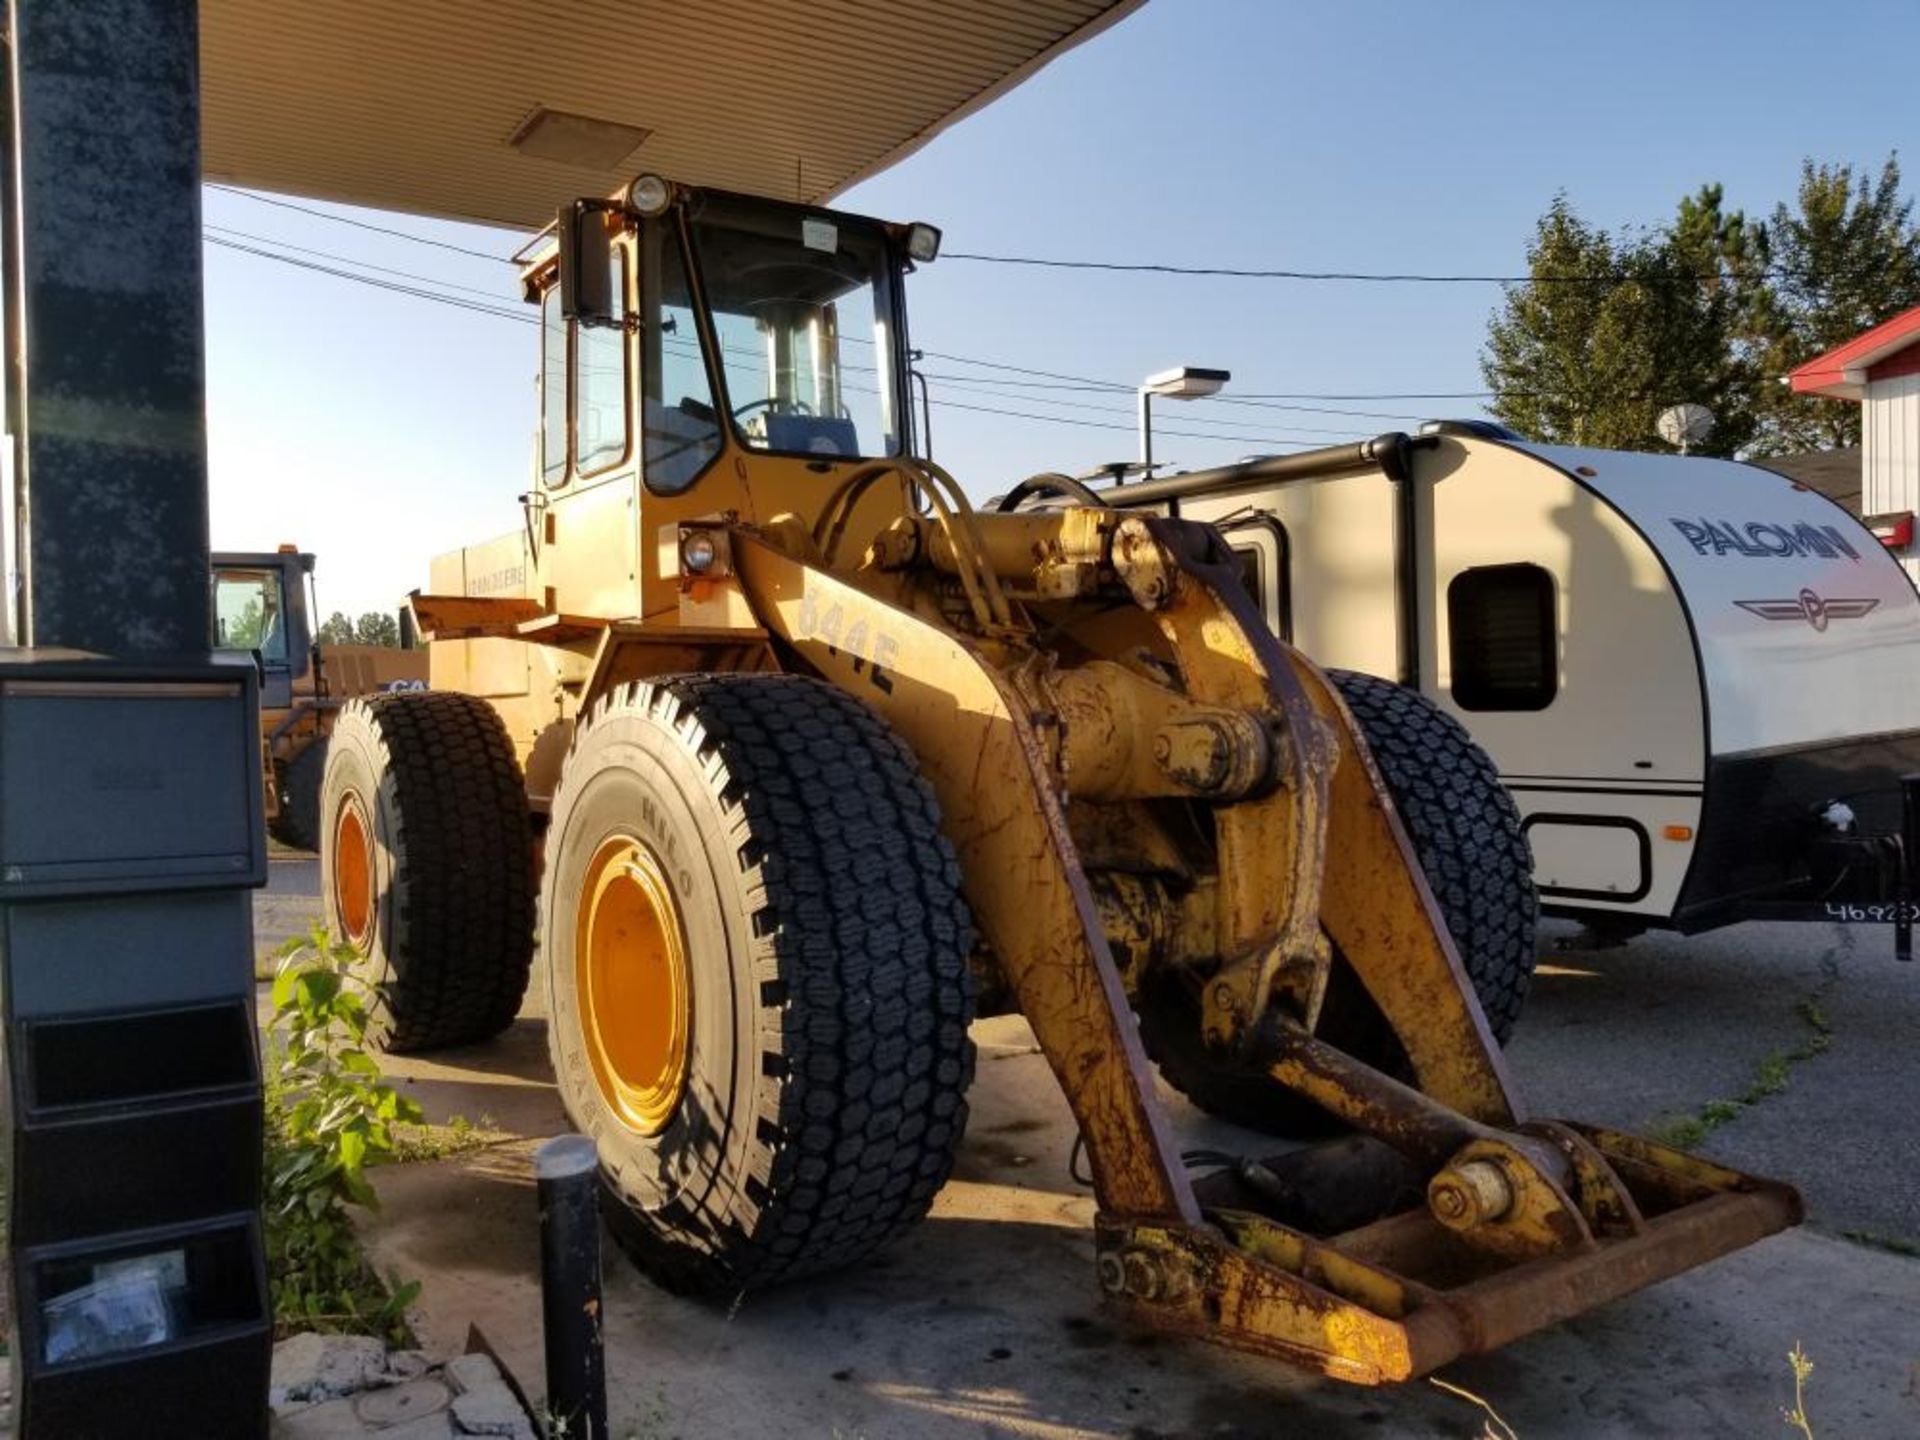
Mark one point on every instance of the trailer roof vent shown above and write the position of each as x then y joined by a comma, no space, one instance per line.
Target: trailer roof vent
579,140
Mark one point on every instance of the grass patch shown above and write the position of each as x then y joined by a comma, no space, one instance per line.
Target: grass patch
1875,1240
424,1142
1771,1076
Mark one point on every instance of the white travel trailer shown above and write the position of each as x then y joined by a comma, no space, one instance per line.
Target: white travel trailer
1699,680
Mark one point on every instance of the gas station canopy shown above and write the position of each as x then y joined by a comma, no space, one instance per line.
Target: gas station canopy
497,110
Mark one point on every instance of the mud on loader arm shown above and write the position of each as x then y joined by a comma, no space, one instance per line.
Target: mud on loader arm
1460,1225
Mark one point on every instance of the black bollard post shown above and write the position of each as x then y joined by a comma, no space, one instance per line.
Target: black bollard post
566,1170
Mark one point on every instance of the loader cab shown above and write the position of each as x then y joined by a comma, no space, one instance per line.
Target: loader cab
260,607
703,352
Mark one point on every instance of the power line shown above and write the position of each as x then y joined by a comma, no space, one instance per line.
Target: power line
503,314
1253,401
476,306
1014,389
1256,399
238,235
1085,384
1108,425
360,224
960,359
1377,277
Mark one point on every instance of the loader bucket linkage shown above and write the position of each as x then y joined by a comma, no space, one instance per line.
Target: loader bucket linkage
1451,1230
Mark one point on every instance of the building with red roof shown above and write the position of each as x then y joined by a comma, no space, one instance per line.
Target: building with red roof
1880,369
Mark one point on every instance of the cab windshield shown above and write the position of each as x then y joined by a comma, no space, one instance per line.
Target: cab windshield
802,307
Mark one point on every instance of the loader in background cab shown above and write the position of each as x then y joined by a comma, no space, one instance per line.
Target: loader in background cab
813,761
263,604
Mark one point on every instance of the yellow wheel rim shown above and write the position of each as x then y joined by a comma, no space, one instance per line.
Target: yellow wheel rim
630,968
353,872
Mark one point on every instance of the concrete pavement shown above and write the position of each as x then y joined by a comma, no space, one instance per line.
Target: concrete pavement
984,1321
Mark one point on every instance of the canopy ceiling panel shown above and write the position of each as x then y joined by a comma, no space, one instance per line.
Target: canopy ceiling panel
498,110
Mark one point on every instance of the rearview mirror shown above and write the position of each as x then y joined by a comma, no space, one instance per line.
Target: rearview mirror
586,264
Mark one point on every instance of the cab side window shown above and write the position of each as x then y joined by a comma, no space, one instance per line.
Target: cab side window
600,385
248,613
553,390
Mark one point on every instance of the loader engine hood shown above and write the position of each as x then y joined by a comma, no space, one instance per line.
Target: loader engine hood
1806,629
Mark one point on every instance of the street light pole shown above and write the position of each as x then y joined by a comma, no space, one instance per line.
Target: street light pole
1183,382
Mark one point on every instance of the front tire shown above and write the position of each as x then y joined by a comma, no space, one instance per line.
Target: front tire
298,823
757,953
426,864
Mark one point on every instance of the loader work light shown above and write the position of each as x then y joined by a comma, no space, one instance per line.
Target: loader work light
923,242
650,195
698,552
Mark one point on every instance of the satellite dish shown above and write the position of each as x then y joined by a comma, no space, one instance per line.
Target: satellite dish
1684,426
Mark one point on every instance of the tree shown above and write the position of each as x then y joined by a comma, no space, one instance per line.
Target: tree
1843,258
338,630
1607,332
376,627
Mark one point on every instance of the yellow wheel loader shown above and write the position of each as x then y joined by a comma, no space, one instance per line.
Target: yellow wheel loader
263,605
809,761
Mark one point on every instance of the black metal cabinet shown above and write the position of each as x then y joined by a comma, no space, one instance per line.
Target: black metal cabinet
130,836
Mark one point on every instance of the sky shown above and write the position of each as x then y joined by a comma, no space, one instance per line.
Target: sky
378,429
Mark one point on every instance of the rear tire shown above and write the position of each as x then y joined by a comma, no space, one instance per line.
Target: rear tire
298,823
1466,833
802,1104
426,864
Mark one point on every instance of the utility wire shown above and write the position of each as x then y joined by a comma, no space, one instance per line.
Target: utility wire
1011,260
1702,277
1083,383
476,306
241,235
359,224
1009,389
1109,425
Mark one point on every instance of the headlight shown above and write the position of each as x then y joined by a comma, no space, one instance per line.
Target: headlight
698,552
923,242
650,195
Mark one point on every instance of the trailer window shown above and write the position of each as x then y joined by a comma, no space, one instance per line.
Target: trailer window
1260,546
1504,638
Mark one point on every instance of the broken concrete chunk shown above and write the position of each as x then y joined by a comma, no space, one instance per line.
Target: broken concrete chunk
473,1372
309,1368
491,1410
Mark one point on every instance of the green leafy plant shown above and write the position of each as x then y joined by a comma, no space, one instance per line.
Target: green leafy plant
330,1116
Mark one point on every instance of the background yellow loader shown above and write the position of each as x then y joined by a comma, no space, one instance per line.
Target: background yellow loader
263,603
